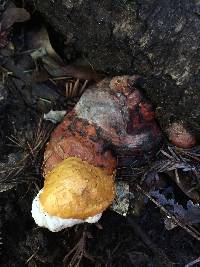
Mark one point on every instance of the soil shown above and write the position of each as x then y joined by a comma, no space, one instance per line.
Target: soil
140,240
115,244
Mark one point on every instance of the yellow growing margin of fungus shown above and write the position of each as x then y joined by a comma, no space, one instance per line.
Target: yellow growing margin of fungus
79,164
74,191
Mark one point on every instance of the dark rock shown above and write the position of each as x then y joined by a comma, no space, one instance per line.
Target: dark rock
157,39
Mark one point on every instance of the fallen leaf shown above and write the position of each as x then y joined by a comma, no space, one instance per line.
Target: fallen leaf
13,15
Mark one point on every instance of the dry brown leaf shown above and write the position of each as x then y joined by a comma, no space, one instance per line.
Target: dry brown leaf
13,15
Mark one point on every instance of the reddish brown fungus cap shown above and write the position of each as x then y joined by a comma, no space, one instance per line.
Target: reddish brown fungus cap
75,137
180,136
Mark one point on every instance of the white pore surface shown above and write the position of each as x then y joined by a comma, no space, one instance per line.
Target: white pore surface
54,223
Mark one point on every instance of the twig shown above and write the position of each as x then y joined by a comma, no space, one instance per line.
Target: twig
193,262
193,232
75,88
83,86
32,256
77,252
76,85
31,152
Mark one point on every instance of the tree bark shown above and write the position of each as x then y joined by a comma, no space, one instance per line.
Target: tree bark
158,40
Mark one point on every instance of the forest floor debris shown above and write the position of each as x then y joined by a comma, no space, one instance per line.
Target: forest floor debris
29,90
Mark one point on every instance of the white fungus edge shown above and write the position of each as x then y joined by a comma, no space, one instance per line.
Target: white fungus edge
54,223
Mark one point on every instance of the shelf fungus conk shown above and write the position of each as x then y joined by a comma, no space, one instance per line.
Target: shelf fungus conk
74,192
111,118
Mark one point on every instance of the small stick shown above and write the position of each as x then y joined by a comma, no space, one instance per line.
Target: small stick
190,155
61,78
70,89
75,88
66,90
193,232
193,262
83,87
32,256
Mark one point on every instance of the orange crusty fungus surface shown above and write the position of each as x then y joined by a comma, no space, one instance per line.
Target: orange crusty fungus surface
75,137
76,189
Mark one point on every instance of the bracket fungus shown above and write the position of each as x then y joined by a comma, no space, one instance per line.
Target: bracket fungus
111,118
